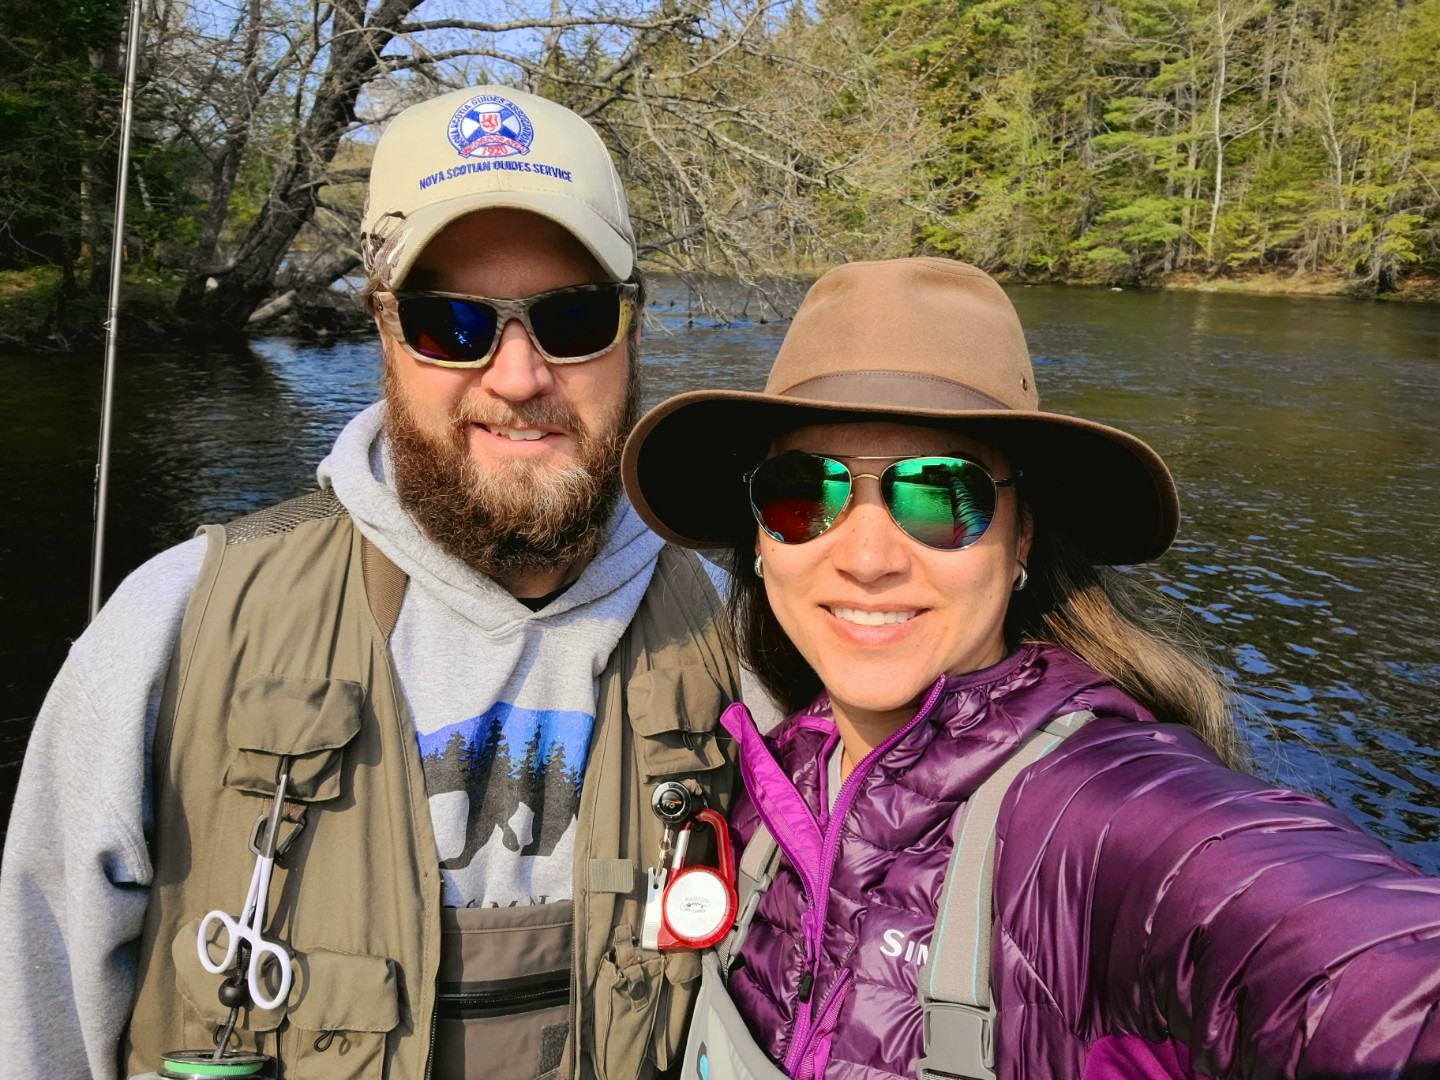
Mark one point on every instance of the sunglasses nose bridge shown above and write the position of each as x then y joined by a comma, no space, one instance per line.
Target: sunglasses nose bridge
864,493
506,313
868,546
514,319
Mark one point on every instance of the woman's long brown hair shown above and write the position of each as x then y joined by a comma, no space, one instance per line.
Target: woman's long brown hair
1122,628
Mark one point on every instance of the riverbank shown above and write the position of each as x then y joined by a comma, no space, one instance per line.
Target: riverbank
1419,289
36,315
32,321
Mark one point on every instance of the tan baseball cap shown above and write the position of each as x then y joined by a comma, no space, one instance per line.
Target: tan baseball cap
486,147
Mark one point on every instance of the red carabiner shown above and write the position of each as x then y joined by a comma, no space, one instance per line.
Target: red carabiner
699,904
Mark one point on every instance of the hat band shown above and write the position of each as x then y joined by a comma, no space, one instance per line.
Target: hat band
900,389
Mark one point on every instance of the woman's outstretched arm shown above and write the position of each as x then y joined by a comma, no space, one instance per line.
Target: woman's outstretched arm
1156,893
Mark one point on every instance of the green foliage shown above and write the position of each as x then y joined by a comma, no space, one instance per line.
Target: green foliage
31,299
56,109
1045,138
26,297
1104,264
1089,141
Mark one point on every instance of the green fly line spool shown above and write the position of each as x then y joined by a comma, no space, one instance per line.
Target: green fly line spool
202,1065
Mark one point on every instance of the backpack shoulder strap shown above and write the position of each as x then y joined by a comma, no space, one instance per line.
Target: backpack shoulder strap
758,863
954,985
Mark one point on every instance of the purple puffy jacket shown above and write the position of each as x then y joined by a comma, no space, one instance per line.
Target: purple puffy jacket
1157,915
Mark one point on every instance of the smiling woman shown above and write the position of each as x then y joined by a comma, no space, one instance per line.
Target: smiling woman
875,611
922,578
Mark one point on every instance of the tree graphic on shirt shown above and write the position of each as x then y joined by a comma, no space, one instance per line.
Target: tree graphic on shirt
496,785
559,794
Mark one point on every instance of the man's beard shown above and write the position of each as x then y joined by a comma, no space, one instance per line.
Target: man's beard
508,518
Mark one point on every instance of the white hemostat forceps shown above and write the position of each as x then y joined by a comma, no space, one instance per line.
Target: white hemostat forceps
252,917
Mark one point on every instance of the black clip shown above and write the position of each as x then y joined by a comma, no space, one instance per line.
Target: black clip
286,837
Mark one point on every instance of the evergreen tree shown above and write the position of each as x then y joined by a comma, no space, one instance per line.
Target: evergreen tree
446,770
559,800
59,98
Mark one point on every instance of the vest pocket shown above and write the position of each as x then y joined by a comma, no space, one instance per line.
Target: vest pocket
337,1027
641,1006
674,710
333,1027
310,720
202,1014
627,993
682,973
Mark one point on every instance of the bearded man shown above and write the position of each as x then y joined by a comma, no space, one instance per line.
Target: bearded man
442,688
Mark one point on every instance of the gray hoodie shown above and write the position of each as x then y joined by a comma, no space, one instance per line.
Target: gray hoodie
502,711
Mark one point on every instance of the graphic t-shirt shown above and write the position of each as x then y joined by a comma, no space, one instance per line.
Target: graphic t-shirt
505,786
502,697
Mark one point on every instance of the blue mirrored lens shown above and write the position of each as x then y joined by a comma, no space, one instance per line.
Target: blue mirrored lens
443,328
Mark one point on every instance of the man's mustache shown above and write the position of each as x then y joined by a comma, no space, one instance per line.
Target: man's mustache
545,413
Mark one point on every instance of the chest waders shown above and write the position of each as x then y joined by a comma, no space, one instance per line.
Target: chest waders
953,986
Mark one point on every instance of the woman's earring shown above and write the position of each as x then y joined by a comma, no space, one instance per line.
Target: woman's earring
1023,579
759,567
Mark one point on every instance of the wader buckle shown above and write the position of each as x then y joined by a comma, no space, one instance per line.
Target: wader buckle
959,1041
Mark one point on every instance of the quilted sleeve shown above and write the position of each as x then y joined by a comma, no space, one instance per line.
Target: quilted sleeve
1156,892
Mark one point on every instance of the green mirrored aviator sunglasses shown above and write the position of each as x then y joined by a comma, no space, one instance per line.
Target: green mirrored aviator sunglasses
941,501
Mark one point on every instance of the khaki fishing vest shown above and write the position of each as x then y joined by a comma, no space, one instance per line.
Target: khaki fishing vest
283,651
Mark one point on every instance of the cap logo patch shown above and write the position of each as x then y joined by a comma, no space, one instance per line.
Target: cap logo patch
488,126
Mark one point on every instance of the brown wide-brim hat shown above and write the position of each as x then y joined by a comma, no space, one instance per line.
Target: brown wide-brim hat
912,340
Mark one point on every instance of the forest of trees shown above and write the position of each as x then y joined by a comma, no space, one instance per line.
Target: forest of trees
1113,142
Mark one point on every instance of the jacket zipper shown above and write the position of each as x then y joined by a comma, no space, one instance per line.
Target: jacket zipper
826,1022
801,1038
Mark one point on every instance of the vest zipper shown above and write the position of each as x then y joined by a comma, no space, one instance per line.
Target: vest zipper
479,1000
573,1033
803,1038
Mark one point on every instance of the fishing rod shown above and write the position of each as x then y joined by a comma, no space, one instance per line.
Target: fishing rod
112,319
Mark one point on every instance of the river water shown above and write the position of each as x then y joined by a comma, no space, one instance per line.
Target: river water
1302,431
